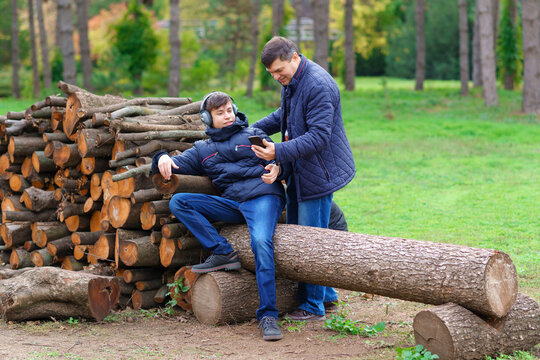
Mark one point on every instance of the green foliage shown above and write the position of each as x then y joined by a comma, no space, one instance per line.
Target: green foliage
509,45
292,325
415,352
177,287
200,75
441,36
341,323
135,41
518,355
72,321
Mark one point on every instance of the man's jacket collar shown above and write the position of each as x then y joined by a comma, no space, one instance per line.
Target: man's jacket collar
291,87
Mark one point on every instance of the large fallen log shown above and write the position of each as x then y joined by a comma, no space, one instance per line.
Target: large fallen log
231,297
453,332
481,280
47,292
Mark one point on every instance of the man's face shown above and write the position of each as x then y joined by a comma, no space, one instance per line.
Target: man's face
283,70
223,116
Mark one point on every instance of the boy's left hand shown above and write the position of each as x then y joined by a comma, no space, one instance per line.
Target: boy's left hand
271,176
267,153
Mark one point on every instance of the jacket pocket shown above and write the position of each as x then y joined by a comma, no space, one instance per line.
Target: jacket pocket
323,167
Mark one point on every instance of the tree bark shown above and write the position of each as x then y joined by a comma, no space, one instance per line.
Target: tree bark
65,30
19,259
15,61
256,8
22,146
84,43
33,49
37,200
321,11
61,247
53,231
15,234
185,184
119,125
174,40
477,54
420,45
531,56
85,238
143,299
509,76
489,81
88,145
349,46
47,79
278,8
463,47
131,276
232,297
298,15
369,263
41,163
453,332
170,134
495,22
79,295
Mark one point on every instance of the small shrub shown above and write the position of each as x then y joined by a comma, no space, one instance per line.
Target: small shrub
415,352
341,323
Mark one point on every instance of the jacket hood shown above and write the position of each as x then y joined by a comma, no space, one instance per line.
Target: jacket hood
225,133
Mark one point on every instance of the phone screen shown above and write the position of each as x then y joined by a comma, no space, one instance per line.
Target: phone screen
256,140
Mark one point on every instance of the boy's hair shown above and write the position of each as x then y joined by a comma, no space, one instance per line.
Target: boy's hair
277,47
216,99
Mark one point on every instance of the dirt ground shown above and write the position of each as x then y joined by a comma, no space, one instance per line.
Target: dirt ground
144,335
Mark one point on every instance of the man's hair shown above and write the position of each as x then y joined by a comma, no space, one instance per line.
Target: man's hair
277,47
217,99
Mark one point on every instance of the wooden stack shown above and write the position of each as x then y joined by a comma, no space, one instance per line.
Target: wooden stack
60,204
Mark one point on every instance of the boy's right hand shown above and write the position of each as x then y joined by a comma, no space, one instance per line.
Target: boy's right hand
165,165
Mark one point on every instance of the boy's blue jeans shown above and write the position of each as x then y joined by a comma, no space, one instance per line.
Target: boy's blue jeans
316,213
261,214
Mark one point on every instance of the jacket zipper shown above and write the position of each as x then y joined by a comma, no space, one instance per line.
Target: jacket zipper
323,167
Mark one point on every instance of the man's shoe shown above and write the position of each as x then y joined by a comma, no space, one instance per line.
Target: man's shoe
218,262
270,329
303,315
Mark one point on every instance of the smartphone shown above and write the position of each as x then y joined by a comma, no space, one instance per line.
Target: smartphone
256,140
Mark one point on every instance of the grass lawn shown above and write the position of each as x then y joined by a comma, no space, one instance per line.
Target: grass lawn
434,166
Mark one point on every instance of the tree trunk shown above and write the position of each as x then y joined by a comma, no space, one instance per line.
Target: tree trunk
37,200
256,8
85,238
65,30
321,11
495,22
45,292
185,184
369,263
84,43
277,16
298,15
489,81
174,40
143,299
420,45
15,61
61,247
531,56
131,276
453,332
349,46
47,79
33,49
41,163
232,297
19,259
463,47
509,76
477,54
15,234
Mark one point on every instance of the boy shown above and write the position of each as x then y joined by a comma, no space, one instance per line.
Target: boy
249,194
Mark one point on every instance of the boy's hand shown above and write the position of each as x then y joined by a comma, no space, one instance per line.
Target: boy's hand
273,172
165,165
267,153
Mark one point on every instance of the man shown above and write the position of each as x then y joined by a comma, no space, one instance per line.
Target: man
249,194
313,144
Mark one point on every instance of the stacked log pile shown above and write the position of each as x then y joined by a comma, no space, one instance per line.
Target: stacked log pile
60,204
83,195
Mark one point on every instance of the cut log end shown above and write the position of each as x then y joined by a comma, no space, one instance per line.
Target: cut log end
502,284
103,294
431,333
208,310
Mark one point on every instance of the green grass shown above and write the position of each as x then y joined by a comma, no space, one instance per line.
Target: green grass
434,166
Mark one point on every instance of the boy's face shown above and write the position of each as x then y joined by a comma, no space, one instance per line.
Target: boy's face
223,116
284,70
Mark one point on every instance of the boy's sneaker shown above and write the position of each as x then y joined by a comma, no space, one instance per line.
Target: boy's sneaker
303,315
218,262
270,329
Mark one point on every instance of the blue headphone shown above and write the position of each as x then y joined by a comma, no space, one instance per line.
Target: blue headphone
206,117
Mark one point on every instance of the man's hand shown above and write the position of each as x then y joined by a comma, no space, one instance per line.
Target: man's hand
273,172
267,153
165,165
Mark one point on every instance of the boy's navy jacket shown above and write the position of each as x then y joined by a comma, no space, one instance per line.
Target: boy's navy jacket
227,159
318,151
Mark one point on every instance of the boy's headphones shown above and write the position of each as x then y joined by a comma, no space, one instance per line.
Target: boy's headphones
206,117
